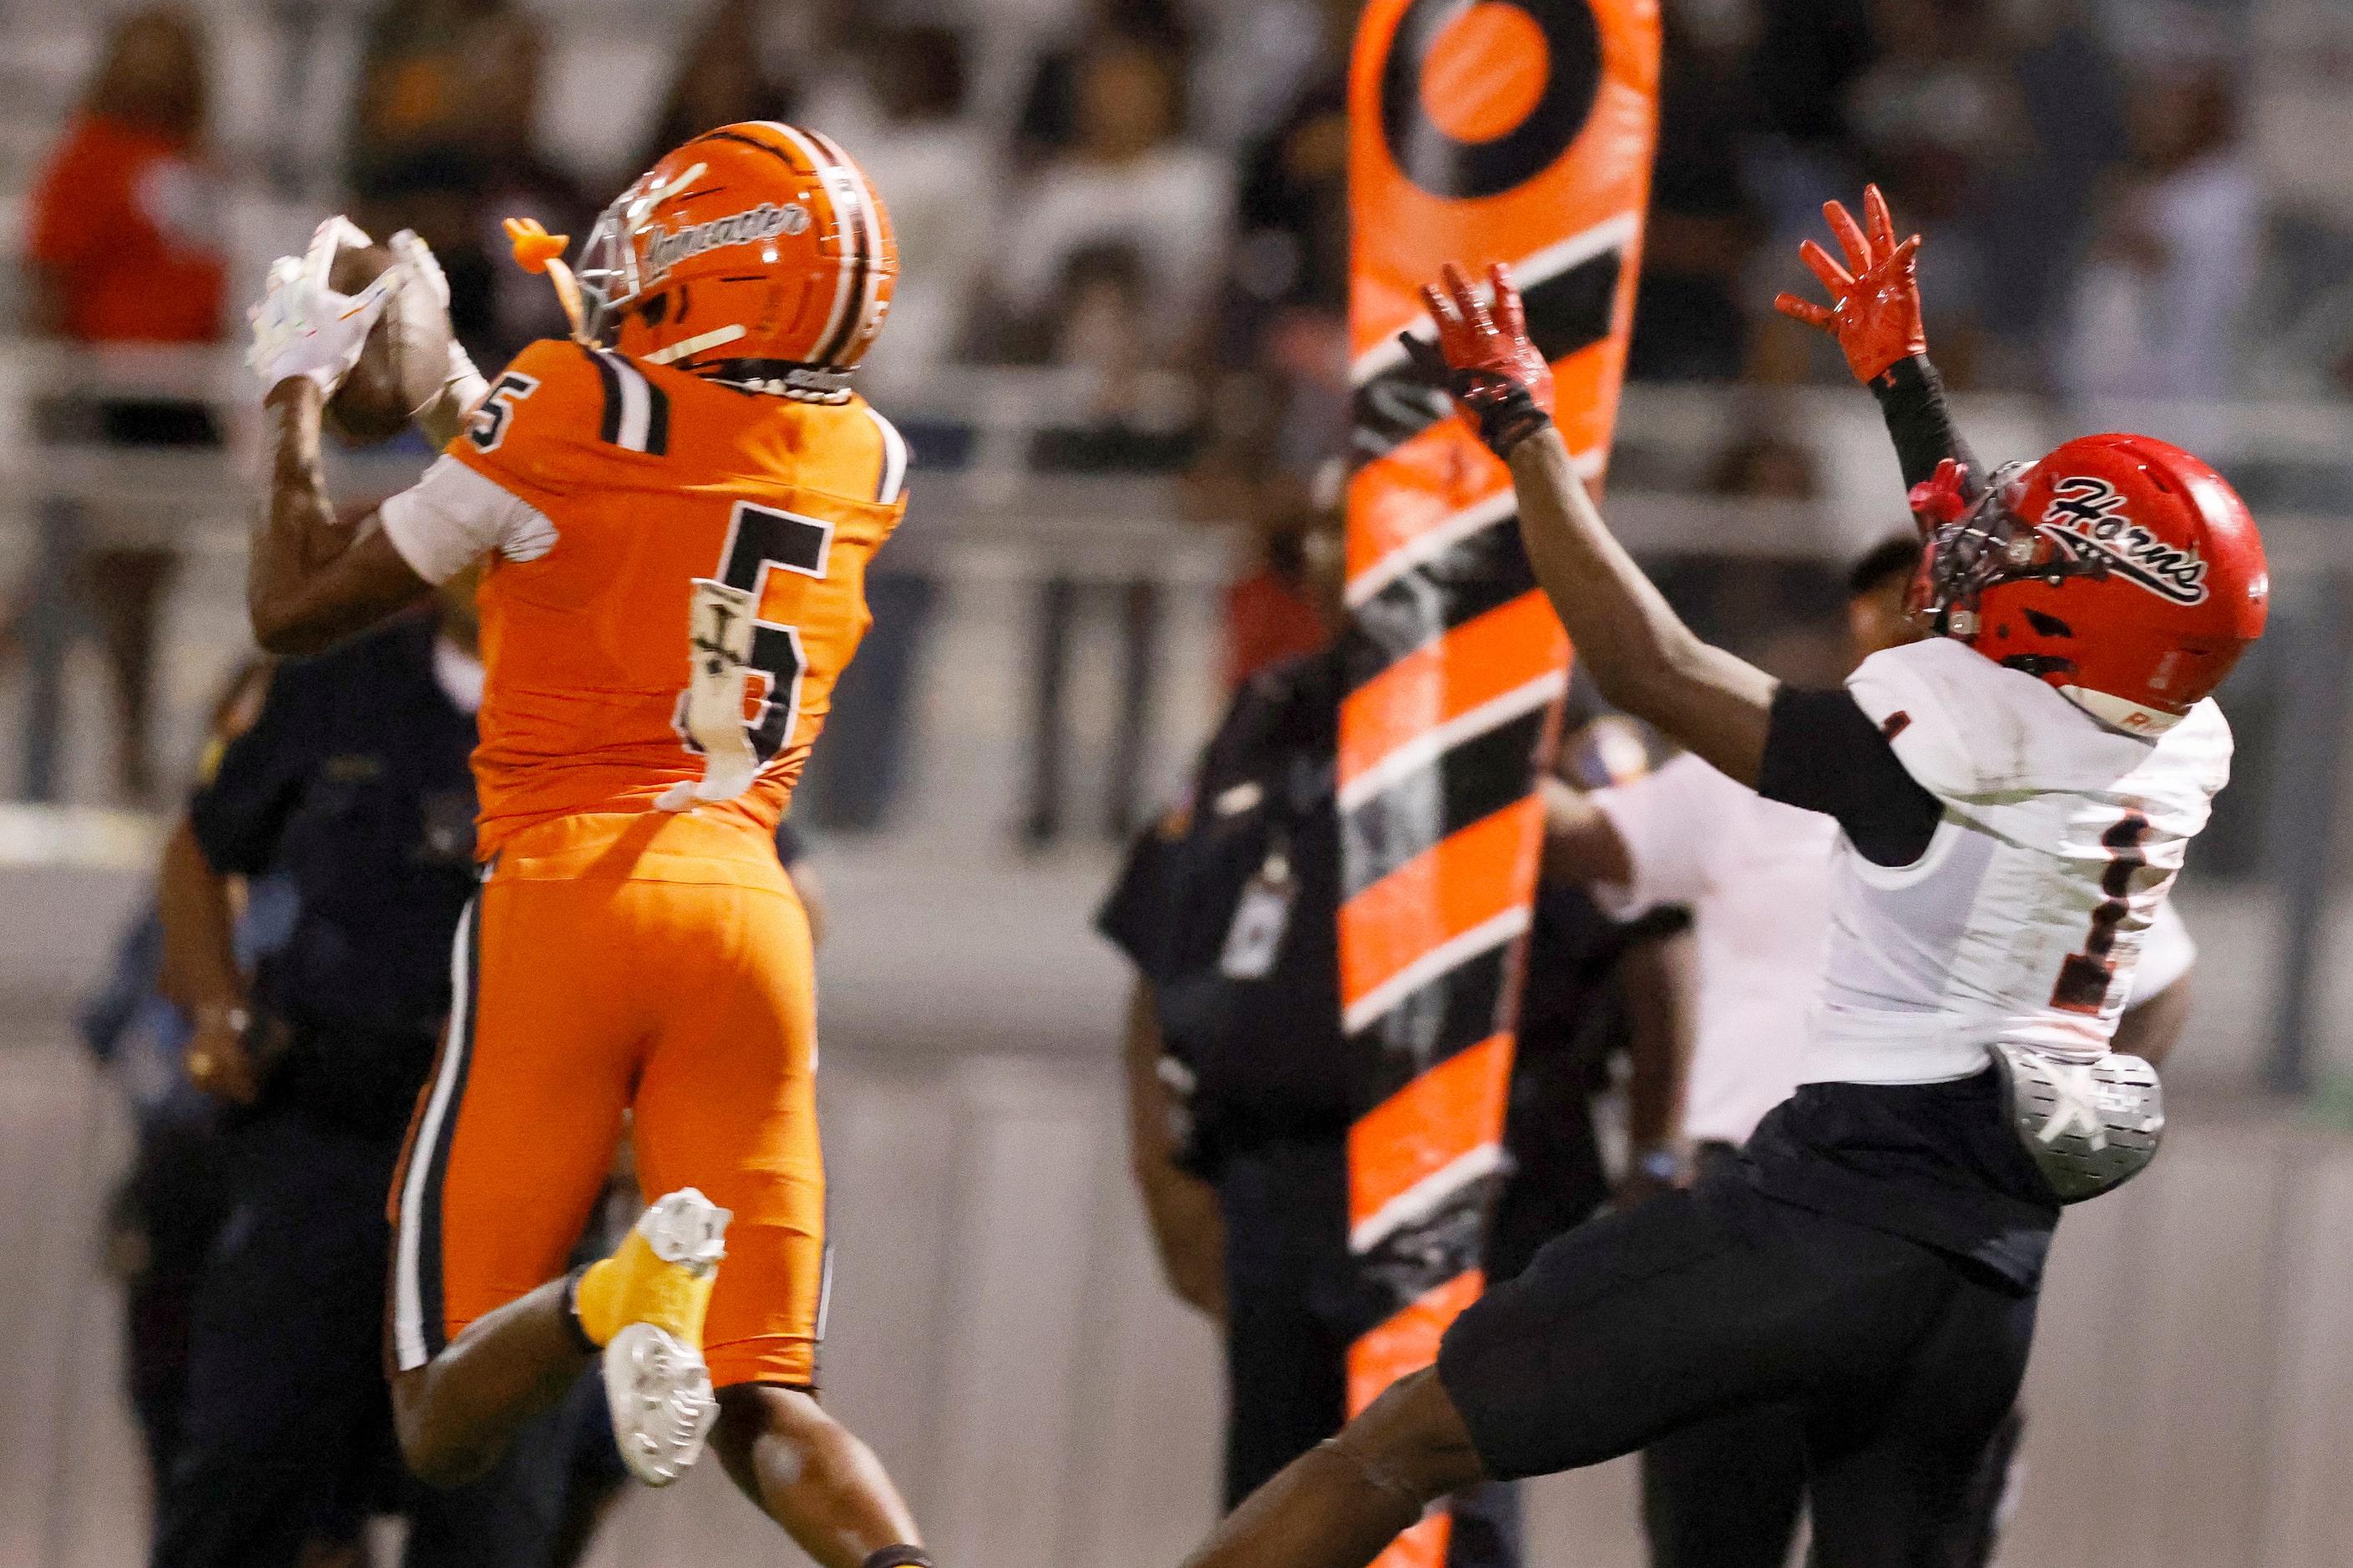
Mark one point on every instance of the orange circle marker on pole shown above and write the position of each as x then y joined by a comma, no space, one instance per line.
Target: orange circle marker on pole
1486,72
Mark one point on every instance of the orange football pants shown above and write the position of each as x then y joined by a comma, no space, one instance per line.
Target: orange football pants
652,963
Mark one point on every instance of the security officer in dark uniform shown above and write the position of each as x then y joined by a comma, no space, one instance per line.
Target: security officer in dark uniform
1241,1080
353,785
1604,1005
171,1202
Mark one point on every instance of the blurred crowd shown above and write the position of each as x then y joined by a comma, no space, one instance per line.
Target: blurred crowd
1153,191
1158,185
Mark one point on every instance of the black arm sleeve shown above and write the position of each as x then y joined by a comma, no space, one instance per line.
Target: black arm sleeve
1823,754
1912,400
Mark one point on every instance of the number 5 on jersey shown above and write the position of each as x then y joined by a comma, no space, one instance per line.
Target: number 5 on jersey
736,726
486,425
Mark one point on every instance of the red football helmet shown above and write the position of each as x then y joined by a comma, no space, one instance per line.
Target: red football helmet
755,253
2119,569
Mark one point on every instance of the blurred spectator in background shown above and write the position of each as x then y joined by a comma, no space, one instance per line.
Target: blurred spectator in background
722,77
939,175
1281,358
1935,114
124,247
1122,229
1054,113
2038,210
2177,251
1763,460
1689,322
170,1207
441,142
1291,210
1134,426
1253,56
1807,55
1801,69
1096,327
124,243
1270,614
1124,183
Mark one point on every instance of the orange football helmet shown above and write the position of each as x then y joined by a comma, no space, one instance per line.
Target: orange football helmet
756,254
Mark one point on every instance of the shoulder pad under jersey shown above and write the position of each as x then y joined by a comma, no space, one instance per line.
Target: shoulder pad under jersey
1968,729
557,395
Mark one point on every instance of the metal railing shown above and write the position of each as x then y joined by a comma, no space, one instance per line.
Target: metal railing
992,519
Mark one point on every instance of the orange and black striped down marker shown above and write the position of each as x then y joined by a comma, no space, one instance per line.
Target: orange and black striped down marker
1514,131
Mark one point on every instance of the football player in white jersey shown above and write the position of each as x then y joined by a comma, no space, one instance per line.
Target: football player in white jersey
2013,793
1755,873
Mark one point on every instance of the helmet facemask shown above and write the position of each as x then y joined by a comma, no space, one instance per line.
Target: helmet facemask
1974,546
611,278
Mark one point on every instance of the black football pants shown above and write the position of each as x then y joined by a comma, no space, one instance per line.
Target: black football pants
1900,1364
1727,1493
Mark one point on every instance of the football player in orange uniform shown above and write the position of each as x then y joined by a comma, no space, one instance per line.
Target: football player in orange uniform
677,508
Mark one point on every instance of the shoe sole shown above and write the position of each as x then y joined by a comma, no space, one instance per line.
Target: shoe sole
658,1393
686,1227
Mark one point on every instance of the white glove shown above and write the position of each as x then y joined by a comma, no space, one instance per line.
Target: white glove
424,268
462,386
410,251
304,328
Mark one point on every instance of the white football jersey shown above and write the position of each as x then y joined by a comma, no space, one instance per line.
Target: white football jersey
2024,920
1756,875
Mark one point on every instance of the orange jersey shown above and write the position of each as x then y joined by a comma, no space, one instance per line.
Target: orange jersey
652,501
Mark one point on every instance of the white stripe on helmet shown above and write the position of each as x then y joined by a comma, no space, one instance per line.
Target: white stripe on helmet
822,161
869,211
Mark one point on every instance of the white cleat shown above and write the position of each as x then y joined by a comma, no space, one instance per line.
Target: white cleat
656,1382
688,1230
660,1394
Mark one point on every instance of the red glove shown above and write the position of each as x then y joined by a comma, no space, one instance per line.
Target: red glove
1942,498
1874,313
1498,379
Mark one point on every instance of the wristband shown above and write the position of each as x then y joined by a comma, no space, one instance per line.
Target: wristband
1507,411
462,370
1911,397
1659,1165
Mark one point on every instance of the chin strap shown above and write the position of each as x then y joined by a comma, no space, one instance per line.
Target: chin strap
779,377
718,337
2121,712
